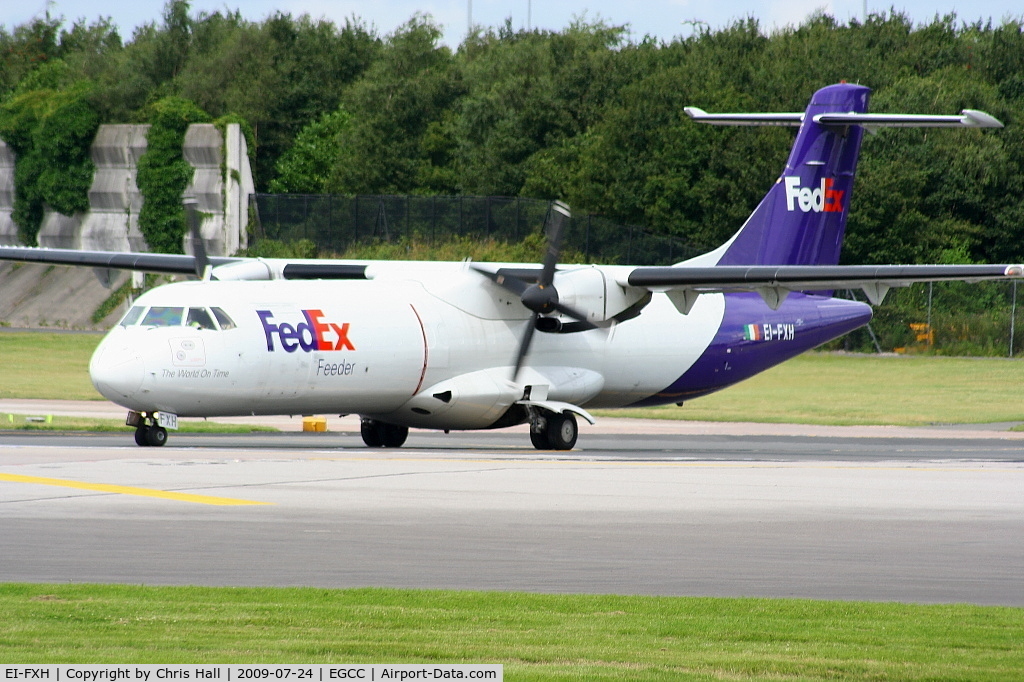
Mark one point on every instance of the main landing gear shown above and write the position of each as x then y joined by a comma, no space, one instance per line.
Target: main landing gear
377,434
553,431
548,431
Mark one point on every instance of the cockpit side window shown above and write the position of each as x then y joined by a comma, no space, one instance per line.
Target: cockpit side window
222,317
132,316
160,316
199,318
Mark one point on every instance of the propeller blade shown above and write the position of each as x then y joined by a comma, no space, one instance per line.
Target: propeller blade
202,262
558,219
541,297
524,345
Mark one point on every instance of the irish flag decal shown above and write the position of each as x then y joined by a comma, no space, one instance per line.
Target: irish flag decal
753,332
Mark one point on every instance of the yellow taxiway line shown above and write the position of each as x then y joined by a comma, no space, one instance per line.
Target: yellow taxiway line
128,490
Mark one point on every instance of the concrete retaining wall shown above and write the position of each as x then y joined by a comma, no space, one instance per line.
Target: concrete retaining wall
222,183
8,230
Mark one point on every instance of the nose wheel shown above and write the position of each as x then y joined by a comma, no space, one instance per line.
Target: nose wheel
150,435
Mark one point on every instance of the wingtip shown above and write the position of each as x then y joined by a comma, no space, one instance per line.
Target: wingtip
979,119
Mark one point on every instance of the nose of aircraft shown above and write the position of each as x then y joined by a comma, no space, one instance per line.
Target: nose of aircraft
116,370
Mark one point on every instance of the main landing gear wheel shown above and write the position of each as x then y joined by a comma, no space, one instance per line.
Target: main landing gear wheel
150,435
557,432
378,434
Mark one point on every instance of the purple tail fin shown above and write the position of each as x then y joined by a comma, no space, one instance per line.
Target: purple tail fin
802,219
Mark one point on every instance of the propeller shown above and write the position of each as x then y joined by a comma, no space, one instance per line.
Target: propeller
202,262
541,297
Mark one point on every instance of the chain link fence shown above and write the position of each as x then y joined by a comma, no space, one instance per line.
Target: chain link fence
333,223
947,318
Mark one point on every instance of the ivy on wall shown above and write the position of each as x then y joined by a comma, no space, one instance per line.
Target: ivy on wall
163,174
50,133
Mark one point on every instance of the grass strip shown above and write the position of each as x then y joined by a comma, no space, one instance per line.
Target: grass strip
47,366
536,637
21,422
815,388
841,389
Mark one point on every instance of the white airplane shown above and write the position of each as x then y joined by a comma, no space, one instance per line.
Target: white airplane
459,345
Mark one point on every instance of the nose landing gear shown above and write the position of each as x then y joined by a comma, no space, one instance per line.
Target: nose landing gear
150,435
148,431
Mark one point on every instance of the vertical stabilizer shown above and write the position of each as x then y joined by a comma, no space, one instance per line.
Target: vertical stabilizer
802,219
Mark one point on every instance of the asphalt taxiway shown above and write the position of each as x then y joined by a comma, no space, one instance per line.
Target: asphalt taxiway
905,515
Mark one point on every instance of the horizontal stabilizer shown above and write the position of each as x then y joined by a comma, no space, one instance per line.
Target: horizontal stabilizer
793,119
968,118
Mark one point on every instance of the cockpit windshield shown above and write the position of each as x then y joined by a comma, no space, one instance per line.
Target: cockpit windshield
159,316
133,316
199,318
169,316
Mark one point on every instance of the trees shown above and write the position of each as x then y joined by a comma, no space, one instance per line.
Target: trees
50,132
393,105
582,114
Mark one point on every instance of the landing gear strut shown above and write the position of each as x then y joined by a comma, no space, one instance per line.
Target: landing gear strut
377,434
553,431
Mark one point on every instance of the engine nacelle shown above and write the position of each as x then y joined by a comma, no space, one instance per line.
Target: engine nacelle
589,290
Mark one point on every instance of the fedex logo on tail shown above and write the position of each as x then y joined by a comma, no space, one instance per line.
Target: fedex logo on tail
313,334
819,199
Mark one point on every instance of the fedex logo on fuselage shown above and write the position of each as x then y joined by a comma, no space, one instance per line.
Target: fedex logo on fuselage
819,199
313,334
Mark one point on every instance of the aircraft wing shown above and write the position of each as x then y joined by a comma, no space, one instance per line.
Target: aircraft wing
179,264
774,282
145,262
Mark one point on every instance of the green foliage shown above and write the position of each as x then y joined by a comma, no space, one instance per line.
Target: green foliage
393,106
112,302
272,248
163,174
23,51
279,75
530,250
305,167
50,132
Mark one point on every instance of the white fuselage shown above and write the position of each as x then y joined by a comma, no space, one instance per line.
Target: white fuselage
409,346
